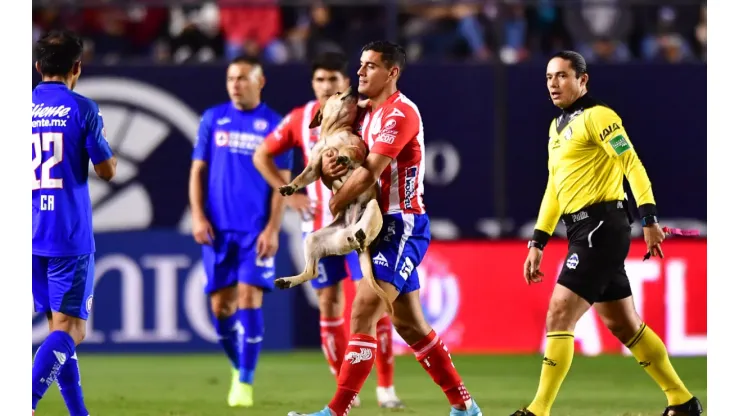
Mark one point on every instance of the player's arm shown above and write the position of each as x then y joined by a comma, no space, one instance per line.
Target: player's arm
277,143
101,155
398,129
550,212
199,168
607,130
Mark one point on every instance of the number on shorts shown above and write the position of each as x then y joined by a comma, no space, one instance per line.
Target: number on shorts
45,142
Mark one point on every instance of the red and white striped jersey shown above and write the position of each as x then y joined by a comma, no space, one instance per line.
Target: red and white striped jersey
395,129
293,132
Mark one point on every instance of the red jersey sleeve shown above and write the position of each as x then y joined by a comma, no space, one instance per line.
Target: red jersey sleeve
286,135
397,127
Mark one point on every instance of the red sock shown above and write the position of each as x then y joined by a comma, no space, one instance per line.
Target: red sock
384,361
432,354
357,364
333,342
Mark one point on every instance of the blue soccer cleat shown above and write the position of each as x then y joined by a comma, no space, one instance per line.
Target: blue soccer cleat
325,412
473,411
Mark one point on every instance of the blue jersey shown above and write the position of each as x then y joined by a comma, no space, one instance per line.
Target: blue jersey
237,196
67,132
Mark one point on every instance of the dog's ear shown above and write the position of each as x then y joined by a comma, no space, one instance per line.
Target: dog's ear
316,122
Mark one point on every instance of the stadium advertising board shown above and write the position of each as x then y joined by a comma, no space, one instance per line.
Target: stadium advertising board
475,296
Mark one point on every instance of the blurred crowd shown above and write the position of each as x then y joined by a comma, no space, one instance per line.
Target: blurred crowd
512,31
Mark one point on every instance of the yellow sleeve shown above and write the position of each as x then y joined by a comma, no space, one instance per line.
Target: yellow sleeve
549,214
607,130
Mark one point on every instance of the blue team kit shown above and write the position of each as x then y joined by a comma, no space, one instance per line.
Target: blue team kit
238,198
67,133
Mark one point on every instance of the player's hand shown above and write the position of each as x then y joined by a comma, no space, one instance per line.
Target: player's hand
267,243
532,272
300,203
654,236
330,169
203,231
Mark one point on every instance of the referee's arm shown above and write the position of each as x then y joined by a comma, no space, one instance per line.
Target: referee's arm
549,214
618,145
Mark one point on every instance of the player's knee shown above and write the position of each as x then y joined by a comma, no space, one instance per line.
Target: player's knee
331,302
75,327
366,310
624,328
249,297
560,316
222,304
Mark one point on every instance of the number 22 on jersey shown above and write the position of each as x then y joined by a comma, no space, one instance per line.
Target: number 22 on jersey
50,145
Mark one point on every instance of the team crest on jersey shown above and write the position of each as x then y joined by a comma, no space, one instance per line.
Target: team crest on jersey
260,124
572,261
568,133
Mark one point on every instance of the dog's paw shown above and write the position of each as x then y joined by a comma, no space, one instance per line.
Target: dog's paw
343,160
287,190
283,283
360,237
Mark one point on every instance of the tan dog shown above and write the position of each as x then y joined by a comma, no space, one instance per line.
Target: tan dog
360,223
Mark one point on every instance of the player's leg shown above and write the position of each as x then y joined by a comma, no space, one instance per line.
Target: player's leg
429,349
70,288
384,363
220,288
617,310
255,276
328,286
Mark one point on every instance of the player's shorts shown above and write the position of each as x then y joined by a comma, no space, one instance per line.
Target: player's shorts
598,244
63,284
334,269
233,259
401,245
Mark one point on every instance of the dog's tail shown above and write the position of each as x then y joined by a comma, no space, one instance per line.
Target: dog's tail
367,273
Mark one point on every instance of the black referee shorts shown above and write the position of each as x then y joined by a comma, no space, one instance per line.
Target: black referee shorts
597,248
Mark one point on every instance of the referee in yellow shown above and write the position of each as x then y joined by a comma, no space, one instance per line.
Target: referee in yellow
589,156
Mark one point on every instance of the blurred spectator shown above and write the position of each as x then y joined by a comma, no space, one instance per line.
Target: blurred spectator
600,24
253,30
700,31
195,34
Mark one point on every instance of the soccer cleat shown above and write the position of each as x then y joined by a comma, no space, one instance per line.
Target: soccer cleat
387,398
473,411
240,394
691,408
325,412
523,412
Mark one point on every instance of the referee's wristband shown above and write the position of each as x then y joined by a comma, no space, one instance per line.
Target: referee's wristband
649,220
539,239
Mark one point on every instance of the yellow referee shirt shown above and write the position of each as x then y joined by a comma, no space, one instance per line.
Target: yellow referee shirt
589,156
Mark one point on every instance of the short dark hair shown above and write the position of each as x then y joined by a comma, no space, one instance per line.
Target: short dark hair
392,54
330,61
57,52
577,61
246,59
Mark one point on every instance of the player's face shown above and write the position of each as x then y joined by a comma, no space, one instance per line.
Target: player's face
562,84
374,76
244,84
326,83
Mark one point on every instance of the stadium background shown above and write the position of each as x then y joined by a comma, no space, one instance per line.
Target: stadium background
476,72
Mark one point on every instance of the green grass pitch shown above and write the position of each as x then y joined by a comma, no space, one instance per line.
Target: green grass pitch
196,385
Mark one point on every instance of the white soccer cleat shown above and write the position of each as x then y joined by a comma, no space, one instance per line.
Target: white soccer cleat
387,398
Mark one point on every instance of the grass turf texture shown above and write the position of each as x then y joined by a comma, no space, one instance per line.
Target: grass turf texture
197,385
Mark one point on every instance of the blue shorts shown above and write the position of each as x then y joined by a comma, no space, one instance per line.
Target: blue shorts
233,259
334,269
63,284
403,242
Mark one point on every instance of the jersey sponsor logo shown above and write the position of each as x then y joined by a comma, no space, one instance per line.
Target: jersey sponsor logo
41,111
238,142
608,131
619,144
409,186
144,125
